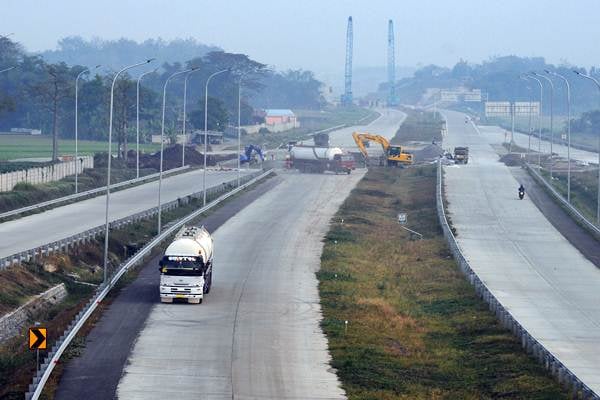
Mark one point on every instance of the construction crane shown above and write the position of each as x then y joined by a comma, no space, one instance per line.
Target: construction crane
346,99
392,98
394,155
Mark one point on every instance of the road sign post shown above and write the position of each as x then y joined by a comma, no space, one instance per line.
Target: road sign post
402,218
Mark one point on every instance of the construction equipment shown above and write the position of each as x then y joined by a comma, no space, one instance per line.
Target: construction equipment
461,155
320,159
247,156
394,155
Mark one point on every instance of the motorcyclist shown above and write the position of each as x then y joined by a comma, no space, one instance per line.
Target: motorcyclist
522,188
521,192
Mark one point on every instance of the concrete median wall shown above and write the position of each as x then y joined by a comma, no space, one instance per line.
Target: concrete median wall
46,174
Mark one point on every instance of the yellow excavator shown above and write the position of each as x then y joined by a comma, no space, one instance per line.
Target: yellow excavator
394,155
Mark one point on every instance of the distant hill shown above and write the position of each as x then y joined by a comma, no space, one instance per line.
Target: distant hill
74,50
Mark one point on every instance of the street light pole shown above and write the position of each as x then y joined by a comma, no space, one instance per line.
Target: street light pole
591,78
531,75
551,119
185,114
85,71
568,131
137,122
110,123
526,79
162,142
206,131
239,130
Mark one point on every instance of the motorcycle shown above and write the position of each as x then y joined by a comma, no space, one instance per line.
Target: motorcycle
521,194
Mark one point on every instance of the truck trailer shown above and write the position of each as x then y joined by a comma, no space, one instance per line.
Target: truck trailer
186,266
320,159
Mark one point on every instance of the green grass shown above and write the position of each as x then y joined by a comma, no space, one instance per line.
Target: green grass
416,328
584,190
17,146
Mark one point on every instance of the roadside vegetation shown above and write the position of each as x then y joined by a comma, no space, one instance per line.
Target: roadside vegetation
584,189
415,327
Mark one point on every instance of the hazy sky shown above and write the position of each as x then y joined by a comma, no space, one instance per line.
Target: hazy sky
311,33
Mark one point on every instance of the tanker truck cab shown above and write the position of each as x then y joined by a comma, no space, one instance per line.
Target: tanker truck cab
186,267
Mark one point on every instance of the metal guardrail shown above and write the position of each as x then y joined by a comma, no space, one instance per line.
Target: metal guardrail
572,211
53,356
564,375
88,235
88,193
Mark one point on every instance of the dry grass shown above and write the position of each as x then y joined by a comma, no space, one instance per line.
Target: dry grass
416,329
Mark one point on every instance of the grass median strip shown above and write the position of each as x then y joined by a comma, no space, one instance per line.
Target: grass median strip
416,329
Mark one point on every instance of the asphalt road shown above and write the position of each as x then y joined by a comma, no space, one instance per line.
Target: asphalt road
257,334
545,282
96,373
61,222
498,135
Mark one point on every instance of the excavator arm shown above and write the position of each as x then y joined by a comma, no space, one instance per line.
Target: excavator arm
361,137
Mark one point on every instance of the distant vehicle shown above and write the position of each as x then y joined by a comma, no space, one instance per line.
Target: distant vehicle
394,155
186,267
521,192
320,159
461,155
466,120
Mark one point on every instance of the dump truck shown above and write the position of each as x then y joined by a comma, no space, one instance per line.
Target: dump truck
394,155
186,266
461,155
320,159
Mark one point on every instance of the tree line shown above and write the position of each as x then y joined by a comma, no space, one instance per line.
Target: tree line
40,94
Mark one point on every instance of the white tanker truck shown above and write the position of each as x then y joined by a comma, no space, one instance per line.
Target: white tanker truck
321,159
186,267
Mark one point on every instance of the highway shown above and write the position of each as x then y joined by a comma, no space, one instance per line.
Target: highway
257,334
497,134
61,222
548,285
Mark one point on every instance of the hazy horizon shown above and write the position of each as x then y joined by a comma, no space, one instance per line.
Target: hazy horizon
313,33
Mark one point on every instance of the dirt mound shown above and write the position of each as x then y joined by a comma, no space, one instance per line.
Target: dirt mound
172,158
428,153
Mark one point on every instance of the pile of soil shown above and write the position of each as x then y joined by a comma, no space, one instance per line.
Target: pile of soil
172,158
430,152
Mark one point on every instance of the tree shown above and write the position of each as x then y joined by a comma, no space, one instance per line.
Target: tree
51,93
217,115
124,108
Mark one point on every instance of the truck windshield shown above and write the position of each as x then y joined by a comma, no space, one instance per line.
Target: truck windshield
181,266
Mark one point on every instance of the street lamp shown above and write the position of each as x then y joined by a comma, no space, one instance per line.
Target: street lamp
206,131
598,86
526,79
8,69
85,71
239,129
532,76
551,118
137,122
110,124
185,113
568,131
162,141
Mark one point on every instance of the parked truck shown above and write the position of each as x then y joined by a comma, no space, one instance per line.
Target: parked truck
320,159
461,155
186,267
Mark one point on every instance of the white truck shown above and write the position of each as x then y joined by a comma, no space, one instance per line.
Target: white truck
186,267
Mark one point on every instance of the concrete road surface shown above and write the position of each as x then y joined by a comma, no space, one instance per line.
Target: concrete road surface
257,334
547,285
498,135
61,222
